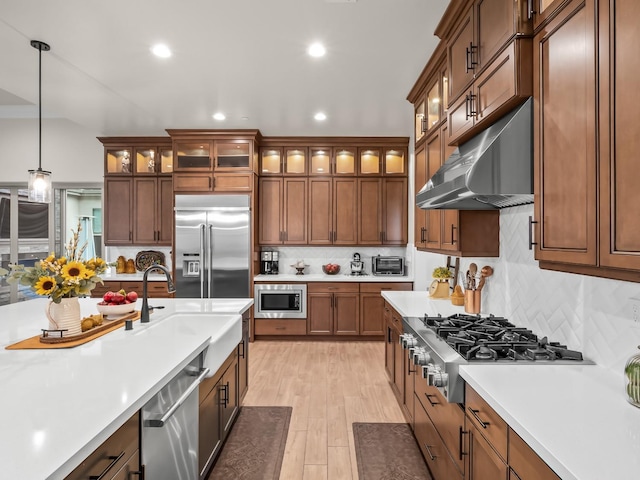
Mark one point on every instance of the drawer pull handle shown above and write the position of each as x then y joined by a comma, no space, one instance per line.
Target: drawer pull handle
531,223
433,404
460,444
280,328
433,457
114,459
475,414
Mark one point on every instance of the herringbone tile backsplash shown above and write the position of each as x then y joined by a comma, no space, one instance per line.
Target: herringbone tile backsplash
593,315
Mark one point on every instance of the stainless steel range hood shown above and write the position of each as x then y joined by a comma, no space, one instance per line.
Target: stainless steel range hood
492,170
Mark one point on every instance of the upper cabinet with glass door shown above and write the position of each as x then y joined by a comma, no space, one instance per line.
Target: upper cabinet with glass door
232,155
192,156
283,161
118,160
295,161
382,161
431,106
153,160
332,161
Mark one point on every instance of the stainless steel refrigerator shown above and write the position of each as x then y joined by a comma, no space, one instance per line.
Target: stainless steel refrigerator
212,254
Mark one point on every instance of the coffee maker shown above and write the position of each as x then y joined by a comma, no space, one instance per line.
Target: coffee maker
269,262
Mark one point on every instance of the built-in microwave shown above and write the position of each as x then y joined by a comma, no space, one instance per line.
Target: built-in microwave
279,300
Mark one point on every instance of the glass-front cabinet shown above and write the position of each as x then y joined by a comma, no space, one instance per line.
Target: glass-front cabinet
320,161
232,155
369,161
118,160
271,161
193,156
345,163
149,162
395,161
295,161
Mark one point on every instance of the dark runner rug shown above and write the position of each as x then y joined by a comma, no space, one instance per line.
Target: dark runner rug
255,446
388,451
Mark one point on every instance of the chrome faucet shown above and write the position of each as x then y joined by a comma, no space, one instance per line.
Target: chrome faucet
144,311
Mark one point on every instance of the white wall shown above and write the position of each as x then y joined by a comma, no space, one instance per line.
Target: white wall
73,154
590,314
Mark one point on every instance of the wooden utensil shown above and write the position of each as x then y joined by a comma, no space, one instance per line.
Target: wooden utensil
485,272
473,269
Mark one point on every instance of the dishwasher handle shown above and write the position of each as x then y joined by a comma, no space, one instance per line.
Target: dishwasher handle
159,422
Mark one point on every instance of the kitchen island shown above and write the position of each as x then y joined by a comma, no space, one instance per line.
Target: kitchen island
575,417
59,405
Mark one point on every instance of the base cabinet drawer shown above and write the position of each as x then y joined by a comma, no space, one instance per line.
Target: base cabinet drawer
526,463
269,326
435,453
131,469
119,450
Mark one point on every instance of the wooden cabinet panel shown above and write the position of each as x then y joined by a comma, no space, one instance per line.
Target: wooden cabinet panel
369,221
132,467
409,385
346,312
264,326
525,462
271,198
295,211
243,358
432,448
164,219
118,215
345,211
459,55
229,396
485,418
113,454
372,305
320,211
619,136
192,182
144,201
320,313
420,215
233,182
565,137
433,233
495,25
395,211
484,462
388,345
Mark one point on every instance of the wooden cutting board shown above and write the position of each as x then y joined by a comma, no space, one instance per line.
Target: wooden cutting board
40,342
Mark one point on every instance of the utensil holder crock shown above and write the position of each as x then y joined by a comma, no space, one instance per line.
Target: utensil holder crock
472,301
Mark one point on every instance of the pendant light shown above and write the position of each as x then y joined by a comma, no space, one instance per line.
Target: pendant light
40,180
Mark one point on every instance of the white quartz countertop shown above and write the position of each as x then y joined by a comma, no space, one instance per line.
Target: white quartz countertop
59,405
575,417
340,277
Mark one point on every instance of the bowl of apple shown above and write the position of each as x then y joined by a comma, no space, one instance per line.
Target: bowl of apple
331,268
118,303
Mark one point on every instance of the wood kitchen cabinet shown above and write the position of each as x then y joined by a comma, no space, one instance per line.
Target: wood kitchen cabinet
447,418
394,354
463,233
117,455
565,169
586,208
494,450
333,308
153,214
382,211
155,289
283,210
333,211
243,357
372,320
218,409
118,214
475,32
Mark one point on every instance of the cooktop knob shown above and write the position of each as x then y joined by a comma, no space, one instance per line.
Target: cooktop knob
440,379
408,340
421,356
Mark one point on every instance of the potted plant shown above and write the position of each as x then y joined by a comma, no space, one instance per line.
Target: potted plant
439,288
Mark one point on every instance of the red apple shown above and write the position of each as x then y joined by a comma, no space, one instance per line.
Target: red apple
132,296
117,298
108,297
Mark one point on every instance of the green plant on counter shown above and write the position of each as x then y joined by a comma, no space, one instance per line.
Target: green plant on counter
442,273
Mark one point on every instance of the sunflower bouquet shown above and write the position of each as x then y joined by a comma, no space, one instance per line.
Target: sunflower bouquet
61,277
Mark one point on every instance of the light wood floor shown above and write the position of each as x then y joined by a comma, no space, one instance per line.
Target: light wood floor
330,385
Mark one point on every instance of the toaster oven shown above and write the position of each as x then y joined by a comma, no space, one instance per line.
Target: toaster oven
381,265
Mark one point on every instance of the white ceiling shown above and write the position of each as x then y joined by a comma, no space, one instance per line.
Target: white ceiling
245,58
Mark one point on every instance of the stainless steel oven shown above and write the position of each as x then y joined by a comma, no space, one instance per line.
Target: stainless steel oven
279,300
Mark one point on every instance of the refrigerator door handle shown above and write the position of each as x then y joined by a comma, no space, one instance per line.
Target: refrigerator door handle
203,260
210,262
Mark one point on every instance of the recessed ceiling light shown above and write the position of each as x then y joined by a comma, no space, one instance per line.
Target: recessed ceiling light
219,116
320,116
161,50
316,50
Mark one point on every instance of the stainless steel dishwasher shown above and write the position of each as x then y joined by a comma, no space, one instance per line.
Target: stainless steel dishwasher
170,427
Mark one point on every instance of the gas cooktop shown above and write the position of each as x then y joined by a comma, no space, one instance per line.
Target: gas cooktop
439,345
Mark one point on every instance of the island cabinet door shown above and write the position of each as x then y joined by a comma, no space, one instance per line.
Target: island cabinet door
209,438
484,462
229,397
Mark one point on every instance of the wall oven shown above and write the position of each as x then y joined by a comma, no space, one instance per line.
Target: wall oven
280,300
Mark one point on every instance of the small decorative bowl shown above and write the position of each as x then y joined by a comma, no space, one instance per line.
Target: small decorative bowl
331,269
116,310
